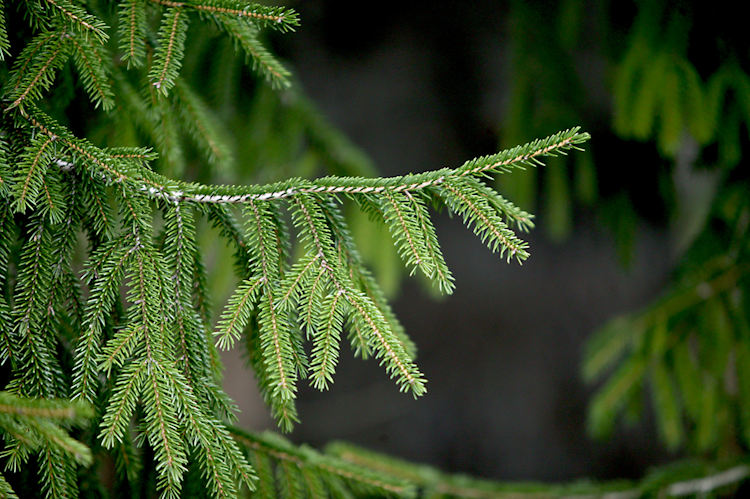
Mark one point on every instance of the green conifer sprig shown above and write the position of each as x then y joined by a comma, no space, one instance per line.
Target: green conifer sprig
690,348
206,131
4,42
94,69
132,31
679,479
34,70
45,12
135,334
276,17
170,49
245,36
266,239
33,425
287,471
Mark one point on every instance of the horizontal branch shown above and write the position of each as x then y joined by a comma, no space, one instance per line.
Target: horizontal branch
159,187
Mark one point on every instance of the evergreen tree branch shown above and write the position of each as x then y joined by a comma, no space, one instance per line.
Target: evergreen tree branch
4,52
132,32
75,16
322,474
245,36
36,362
277,17
201,123
169,50
404,225
92,69
34,69
160,187
112,258
30,173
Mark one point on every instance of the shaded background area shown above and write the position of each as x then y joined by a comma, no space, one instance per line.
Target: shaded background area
431,84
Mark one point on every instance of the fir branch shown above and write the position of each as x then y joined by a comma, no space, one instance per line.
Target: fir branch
160,187
97,214
283,410
440,273
223,219
237,313
203,126
162,430
317,470
169,50
30,172
4,52
75,16
370,322
512,214
37,370
359,275
6,490
279,18
213,443
121,347
5,173
108,273
55,409
121,404
462,199
57,475
167,133
314,287
132,32
54,204
275,332
245,36
33,71
33,425
406,228
93,69
326,342
8,345
179,244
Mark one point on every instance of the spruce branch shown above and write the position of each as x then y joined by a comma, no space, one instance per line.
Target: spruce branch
132,32
107,270
203,126
4,42
159,187
331,297
245,36
316,474
169,50
93,67
35,67
405,226
33,425
279,18
237,313
30,173
140,342
72,15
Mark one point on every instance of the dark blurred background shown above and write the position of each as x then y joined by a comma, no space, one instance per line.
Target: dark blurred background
422,85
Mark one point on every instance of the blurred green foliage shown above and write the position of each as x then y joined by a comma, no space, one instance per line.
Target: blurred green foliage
677,76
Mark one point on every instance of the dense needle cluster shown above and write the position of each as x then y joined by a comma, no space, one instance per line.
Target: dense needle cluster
131,337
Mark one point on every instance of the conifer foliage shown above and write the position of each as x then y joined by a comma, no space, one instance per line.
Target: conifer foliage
127,343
